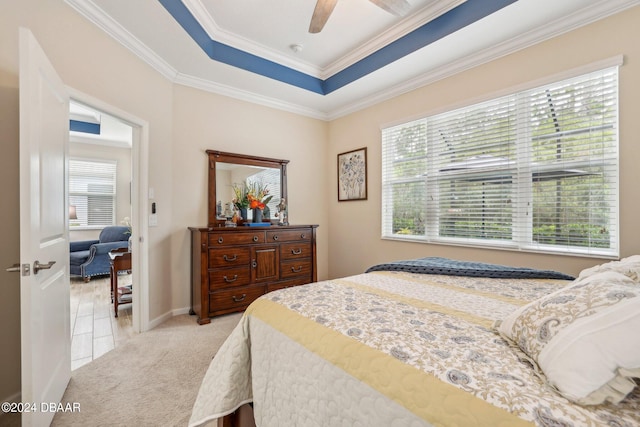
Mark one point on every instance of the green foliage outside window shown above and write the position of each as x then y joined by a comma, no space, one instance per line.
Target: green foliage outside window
571,138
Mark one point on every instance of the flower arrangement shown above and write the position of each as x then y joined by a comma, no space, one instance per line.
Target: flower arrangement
258,196
241,193
253,196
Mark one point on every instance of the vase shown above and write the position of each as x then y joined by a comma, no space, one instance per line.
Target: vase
257,215
243,215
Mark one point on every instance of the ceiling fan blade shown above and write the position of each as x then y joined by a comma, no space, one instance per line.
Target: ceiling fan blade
320,15
395,7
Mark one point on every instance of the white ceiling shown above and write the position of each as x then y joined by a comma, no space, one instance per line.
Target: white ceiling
355,30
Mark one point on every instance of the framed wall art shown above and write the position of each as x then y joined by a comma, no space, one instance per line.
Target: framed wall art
352,175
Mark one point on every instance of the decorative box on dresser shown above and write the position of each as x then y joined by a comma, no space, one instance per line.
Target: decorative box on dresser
231,267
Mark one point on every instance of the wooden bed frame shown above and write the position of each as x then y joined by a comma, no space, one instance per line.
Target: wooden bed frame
243,417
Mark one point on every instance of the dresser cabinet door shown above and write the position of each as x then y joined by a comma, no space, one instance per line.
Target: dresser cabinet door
264,264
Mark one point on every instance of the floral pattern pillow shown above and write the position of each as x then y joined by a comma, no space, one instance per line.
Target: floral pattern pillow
629,266
583,337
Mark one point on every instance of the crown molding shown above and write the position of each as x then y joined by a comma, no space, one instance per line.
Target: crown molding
102,20
554,28
242,95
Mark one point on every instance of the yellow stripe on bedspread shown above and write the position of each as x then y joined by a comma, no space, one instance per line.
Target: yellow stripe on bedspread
480,300
478,320
430,399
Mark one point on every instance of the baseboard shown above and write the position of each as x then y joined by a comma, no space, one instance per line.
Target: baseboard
168,315
180,311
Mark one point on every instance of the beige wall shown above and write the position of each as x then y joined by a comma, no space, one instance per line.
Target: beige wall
204,121
91,62
355,230
10,247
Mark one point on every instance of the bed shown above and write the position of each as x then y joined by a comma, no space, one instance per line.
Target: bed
435,342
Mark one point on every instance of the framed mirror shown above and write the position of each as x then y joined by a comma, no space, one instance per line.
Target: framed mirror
227,170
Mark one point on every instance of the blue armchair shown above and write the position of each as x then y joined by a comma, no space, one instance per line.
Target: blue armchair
91,257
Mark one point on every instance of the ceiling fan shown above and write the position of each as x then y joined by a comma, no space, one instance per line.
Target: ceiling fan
324,8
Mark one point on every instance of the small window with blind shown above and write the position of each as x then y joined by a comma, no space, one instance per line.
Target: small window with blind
92,192
535,170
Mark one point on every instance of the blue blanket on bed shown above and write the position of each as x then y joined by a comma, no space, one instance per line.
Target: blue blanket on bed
436,265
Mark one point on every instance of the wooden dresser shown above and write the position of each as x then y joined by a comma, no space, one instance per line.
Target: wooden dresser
231,267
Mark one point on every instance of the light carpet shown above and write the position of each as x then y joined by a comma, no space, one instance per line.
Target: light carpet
150,380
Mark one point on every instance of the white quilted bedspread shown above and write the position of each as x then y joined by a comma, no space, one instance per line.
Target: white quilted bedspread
390,349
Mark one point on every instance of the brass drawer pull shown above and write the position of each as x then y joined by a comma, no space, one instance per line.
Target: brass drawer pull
275,237
220,240
226,258
302,236
236,299
296,251
226,279
296,270
255,238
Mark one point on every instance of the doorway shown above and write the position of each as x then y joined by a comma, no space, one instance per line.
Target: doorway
95,329
99,182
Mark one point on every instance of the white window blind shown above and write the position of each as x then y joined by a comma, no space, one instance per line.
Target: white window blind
534,170
92,190
271,179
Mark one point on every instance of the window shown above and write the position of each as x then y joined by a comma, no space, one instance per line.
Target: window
92,190
535,170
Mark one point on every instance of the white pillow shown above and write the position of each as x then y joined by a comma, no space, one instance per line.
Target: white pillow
585,338
629,266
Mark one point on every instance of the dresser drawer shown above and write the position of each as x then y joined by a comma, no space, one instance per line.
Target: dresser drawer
236,298
294,268
239,238
295,250
288,235
229,277
228,257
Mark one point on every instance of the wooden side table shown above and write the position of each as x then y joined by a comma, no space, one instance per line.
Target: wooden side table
120,261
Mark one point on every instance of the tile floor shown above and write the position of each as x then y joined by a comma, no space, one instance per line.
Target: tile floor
94,328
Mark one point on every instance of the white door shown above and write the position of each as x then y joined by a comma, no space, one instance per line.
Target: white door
44,236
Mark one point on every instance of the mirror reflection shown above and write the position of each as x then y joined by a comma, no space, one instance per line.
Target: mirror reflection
233,175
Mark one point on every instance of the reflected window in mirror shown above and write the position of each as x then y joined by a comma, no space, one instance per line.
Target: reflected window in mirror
231,176
228,170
